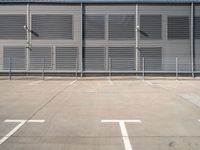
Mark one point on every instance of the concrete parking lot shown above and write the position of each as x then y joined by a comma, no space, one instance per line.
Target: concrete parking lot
99,114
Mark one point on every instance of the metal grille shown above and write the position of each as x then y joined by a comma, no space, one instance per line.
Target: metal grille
67,58
178,27
52,26
121,27
14,57
121,58
152,58
94,27
12,27
94,58
41,58
197,27
150,27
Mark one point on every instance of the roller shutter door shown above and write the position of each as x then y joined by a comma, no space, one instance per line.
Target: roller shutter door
37,55
94,27
150,27
52,26
12,27
121,27
178,27
94,59
122,58
67,58
17,56
152,58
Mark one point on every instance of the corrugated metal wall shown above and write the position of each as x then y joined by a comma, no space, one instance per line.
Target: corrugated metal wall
107,42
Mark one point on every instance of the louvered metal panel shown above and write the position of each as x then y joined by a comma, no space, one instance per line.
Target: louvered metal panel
178,27
197,42
12,27
14,57
121,58
121,27
67,58
197,27
152,58
150,27
94,27
52,26
41,57
94,59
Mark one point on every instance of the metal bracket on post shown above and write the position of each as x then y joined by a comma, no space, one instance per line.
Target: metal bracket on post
43,68
177,68
10,68
143,68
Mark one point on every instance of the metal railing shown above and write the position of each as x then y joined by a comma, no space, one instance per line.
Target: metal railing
172,65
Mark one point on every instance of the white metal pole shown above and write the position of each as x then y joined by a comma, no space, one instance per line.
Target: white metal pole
27,35
192,37
81,45
136,35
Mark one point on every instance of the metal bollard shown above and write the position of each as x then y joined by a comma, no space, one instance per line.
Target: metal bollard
43,68
110,68
176,68
143,68
76,67
10,68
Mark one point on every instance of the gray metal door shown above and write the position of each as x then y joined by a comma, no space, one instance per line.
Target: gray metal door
41,57
94,59
121,58
16,56
67,58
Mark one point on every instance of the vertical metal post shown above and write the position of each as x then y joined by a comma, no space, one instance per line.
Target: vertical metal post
81,45
136,35
27,35
110,68
10,68
143,68
192,37
76,66
43,68
177,68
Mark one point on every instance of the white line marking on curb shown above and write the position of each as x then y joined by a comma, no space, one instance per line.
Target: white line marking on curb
21,123
124,132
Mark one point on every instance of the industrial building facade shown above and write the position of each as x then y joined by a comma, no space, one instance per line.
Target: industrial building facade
100,36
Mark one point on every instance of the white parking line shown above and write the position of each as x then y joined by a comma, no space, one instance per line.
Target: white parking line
21,123
35,82
72,82
124,132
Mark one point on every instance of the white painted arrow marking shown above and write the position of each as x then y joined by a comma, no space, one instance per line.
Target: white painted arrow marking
124,132
21,123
